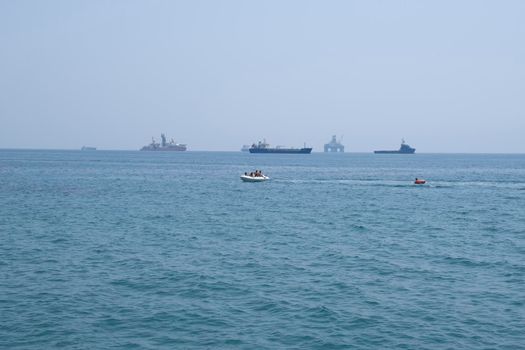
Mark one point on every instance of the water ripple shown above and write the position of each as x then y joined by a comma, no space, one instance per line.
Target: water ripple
134,251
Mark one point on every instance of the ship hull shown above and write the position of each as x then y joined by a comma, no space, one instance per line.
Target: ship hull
247,178
394,152
165,149
281,150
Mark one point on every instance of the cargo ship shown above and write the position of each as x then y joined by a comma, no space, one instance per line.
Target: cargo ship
404,149
88,148
263,147
164,146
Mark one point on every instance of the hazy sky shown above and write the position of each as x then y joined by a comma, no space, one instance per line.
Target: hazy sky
448,76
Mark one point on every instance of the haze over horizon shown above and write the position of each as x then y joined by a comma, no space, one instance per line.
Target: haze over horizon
446,76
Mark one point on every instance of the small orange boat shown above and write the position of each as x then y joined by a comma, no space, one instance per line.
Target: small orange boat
420,181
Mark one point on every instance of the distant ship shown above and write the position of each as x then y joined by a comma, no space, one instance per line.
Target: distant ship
404,149
164,146
263,147
245,148
86,148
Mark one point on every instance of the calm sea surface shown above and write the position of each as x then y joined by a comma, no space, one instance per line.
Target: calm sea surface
136,250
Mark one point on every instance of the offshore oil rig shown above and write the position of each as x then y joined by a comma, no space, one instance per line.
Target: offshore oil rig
334,146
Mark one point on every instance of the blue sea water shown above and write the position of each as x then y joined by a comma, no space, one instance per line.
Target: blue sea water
139,250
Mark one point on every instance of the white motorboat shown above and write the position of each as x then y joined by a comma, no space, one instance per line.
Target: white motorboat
248,178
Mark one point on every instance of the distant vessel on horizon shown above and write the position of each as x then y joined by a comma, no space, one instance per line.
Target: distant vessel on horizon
263,147
404,149
87,148
164,146
245,148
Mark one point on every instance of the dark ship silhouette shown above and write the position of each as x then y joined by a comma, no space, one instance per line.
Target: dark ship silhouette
263,147
164,146
404,149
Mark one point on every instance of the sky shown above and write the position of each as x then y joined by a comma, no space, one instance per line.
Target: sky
447,76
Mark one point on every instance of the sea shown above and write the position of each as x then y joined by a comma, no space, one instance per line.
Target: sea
171,250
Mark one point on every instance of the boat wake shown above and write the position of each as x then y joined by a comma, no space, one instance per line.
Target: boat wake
409,183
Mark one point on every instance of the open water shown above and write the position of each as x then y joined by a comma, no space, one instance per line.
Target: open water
136,250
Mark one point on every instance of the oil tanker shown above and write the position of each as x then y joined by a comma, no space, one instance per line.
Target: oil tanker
263,147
